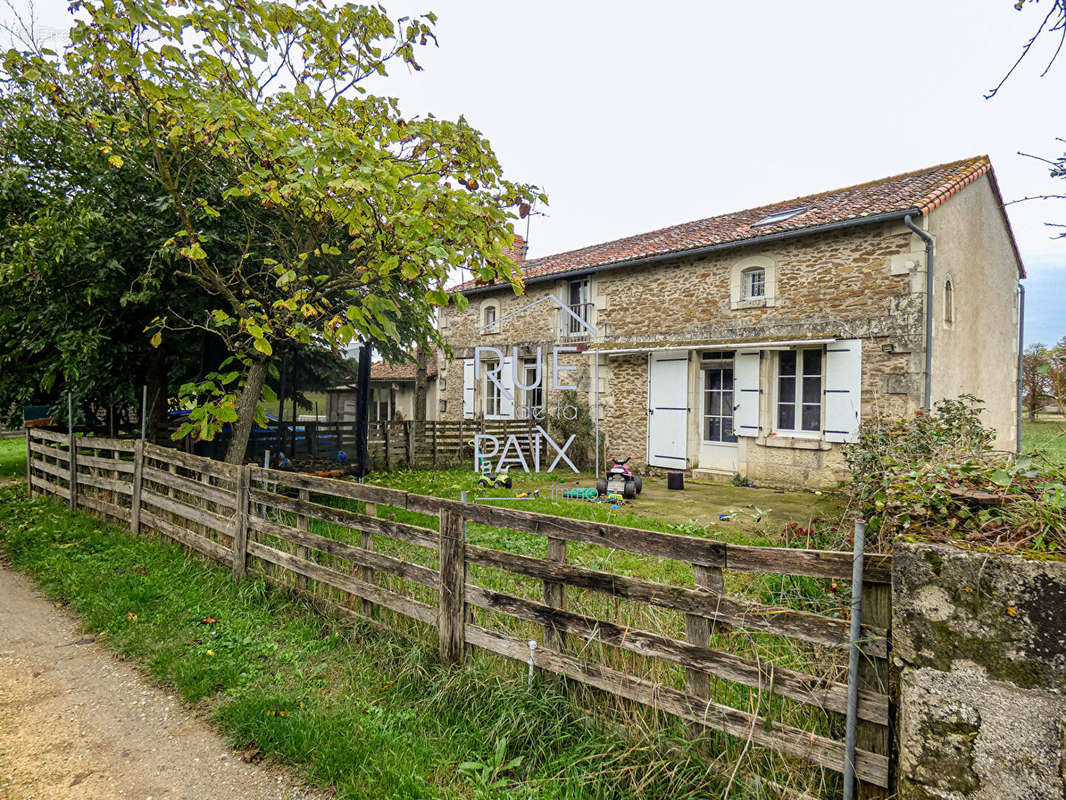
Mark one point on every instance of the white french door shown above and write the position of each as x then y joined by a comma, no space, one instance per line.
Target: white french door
668,409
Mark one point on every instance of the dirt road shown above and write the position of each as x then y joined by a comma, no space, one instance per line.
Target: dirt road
77,724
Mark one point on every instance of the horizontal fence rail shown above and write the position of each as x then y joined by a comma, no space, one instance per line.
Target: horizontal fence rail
371,550
390,445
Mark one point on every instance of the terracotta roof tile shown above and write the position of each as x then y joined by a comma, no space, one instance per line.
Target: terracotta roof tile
384,371
921,190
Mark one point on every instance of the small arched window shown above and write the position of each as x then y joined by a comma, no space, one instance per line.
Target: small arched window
754,283
490,317
949,303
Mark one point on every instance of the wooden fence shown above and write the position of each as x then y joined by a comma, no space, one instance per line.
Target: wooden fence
272,523
390,444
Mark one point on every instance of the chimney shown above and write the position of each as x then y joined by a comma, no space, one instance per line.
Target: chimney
517,251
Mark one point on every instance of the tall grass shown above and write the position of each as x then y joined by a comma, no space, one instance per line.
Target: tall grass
352,706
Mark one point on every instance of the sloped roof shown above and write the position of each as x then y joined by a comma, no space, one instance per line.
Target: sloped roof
916,192
385,371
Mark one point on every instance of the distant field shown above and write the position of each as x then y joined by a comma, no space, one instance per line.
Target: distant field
1045,435
12,458
312,398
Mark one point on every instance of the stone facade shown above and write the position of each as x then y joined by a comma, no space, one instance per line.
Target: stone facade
978,642
863,283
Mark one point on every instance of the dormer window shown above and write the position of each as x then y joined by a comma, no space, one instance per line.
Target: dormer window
754,283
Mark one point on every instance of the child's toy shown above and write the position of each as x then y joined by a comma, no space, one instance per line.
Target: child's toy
619,480
487,479
281,461
340,457
580,494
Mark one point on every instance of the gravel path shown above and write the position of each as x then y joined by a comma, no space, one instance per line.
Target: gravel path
77,724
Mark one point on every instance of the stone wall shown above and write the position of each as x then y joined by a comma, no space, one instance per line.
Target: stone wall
980,644
865,283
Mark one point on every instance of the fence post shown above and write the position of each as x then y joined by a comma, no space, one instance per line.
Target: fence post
240,523
409,429
452,614
302,525
434,424
138,479
874,676
72,452
555,595
366,574
311,431
460,450
698,631
29,462
388,448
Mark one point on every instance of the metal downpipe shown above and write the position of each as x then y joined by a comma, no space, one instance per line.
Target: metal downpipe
1021,344
928,399
852,722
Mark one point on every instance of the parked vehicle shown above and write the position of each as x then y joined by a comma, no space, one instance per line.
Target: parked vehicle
619,480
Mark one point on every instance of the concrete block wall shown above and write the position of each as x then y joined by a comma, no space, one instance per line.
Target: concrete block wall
979,641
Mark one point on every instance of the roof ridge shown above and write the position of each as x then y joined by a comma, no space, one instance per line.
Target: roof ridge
918,191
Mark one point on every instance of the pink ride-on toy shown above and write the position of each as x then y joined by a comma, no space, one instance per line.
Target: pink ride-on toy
619,480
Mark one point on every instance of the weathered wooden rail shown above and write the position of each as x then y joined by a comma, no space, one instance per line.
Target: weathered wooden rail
272,523
390,445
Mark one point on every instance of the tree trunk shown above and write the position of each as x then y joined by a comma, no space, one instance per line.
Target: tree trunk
157,378
421,384
242,428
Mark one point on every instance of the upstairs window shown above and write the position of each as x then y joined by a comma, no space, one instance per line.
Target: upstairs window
799,391
490,314
577,300
754,283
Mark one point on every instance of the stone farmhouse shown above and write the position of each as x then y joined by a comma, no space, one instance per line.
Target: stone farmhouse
392,394
756,342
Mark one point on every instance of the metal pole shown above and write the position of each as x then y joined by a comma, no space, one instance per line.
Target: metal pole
70,448
596,407
853,660
144,413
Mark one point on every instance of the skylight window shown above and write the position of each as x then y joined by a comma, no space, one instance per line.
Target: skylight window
780,216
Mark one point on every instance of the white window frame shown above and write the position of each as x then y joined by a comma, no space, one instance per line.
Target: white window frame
485,327
797,403
748,283
738,295
491,393
529,373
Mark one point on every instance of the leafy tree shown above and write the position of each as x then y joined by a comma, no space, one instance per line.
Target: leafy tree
1035,384
82,272
1054,369
370,210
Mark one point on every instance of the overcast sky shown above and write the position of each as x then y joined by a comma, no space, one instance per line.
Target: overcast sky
636,115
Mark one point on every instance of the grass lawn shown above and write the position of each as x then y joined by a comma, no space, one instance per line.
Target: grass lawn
1046,435
12,458
352,706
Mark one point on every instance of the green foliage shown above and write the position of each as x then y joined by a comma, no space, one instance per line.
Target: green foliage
935,476
491,775
582,427
353,215
12,458
353,707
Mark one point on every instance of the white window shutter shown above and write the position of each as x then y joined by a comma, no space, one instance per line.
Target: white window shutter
468,388
843,390
746,393
507,395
